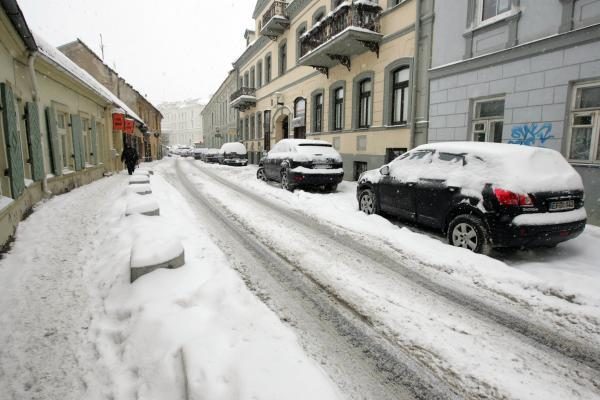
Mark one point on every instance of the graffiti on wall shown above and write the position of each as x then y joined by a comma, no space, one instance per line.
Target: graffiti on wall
533,134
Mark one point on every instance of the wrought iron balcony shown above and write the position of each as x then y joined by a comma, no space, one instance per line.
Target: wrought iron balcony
350,30
274,21
243,98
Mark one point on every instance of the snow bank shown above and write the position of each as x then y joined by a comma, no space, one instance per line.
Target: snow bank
142,172
197,324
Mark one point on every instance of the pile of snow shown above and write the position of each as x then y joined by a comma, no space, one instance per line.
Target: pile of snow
234,147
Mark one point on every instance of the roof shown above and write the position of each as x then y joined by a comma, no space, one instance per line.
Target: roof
59,59
260,4
93,53
14,13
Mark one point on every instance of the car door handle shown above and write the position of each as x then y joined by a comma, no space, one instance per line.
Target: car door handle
411,184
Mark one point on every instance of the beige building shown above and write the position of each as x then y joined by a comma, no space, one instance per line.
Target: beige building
344,71
146,137
219,119
55,122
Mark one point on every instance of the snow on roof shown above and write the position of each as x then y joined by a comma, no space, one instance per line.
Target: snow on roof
57,57
233,147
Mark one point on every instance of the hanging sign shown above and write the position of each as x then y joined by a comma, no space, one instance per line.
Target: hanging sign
118,122
129,125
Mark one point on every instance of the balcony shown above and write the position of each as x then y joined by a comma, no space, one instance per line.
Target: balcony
274,21
352,29
243,98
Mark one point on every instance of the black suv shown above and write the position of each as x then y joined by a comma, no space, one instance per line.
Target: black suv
302,163
481,195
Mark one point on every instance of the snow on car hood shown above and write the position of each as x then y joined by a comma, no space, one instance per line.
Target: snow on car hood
517,168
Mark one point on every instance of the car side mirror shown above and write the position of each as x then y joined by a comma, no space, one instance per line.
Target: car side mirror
385,171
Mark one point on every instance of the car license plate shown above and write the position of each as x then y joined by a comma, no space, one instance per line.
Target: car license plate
562,205
322,166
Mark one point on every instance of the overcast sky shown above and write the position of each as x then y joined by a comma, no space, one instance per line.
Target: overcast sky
168,50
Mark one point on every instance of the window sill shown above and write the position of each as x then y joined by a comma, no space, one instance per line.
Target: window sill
507,16
587,164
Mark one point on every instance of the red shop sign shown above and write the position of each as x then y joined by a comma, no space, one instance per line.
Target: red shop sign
129,125
118,122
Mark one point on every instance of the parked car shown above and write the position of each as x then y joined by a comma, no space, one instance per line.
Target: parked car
302,163
211,156
481,195
233,153
198,152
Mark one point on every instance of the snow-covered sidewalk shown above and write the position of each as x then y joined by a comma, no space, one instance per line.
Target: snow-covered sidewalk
72,327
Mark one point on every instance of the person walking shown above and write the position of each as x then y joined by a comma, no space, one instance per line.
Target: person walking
130,158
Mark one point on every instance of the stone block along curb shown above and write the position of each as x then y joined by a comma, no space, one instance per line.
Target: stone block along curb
149,254
141,189
139,179
145,205
141,172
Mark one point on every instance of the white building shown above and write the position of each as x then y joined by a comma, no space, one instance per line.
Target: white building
182,122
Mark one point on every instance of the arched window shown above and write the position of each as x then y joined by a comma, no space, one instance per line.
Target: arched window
399,109
364,107
299,121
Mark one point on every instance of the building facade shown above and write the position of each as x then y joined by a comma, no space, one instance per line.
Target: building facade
182,123
524,72
350,72
219,119
55,122
146,138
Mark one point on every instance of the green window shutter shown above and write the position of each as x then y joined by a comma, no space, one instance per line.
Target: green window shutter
54,141
77,130
34,138
93,138
13,141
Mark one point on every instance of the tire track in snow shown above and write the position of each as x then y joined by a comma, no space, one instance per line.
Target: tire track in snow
540,336
369,354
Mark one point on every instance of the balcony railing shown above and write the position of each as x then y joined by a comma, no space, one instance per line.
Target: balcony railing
243,98
362,16
277,8
274,21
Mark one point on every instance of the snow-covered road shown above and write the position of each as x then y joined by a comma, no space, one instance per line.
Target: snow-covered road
284,295
469,350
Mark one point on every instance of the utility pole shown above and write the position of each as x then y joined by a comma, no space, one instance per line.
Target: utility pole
102,47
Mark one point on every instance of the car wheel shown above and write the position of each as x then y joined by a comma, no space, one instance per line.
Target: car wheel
367,202
468,231
285,181
260,174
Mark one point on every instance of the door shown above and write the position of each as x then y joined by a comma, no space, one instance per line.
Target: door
285,128
397,197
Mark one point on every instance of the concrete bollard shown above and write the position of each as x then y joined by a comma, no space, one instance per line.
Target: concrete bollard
145,205
139,180
150,255
142,189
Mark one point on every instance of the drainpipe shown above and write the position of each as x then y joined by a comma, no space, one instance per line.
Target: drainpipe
36,100
413,93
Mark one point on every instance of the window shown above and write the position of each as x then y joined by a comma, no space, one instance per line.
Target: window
318,113
259,75
252,78
399,110
584,143
338,109
252,128
488,121
267,129
361,143
282,59
259,126
318,15
364,106
299,121
246,79
65,139
491,8
268,68
301,31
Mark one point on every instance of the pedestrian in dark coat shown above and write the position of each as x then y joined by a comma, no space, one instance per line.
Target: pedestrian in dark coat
130,158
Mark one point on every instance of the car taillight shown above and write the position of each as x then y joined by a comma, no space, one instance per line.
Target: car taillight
508,198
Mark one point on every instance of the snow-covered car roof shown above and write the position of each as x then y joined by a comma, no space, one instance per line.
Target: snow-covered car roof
472,165
233,147
306,142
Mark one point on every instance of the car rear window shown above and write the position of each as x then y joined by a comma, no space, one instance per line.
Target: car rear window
316,149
